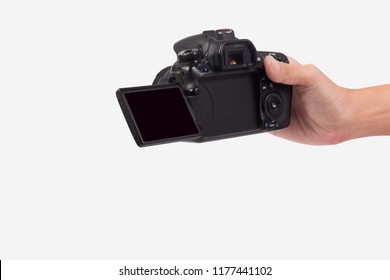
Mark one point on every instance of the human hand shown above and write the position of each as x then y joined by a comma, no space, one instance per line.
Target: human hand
318,113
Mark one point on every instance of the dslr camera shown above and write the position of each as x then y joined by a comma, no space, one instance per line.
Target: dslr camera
216,89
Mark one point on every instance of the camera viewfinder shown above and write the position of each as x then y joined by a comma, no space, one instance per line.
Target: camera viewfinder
235,58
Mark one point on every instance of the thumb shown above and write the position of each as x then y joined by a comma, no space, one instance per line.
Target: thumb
289,74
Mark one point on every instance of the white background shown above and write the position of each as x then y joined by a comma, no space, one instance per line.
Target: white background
73,183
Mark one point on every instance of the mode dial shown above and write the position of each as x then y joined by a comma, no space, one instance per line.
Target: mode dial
189,55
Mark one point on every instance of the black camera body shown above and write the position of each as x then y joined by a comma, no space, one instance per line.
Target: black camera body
216,89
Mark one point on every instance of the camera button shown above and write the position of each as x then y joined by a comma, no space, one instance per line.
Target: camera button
273,106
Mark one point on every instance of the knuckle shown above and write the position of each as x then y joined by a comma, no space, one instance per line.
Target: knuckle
285,69
311,70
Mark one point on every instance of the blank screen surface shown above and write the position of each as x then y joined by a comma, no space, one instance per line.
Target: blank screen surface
161,113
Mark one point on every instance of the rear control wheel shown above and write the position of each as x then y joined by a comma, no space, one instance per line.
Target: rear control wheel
273,106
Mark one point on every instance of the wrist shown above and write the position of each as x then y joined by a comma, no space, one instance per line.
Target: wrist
343,116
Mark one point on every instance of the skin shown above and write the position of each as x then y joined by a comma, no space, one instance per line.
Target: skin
324,113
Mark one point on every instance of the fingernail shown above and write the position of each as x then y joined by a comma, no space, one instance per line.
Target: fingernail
274,64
